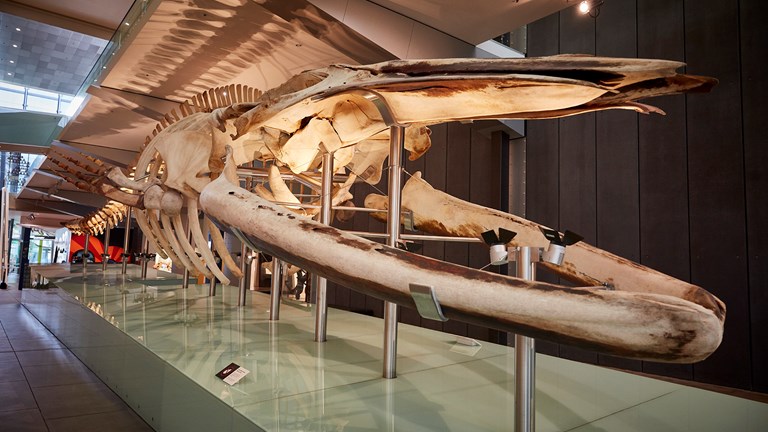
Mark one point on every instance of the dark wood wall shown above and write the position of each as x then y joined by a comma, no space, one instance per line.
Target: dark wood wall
465,161
684,193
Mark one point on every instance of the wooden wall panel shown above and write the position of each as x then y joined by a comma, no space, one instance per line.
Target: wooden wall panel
716,184
407,315
484,189
754,52
577,156
457,184
689,187
435,173
664,239
617,206
542,158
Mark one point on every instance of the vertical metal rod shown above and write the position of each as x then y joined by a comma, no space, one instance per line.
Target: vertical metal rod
321,308
85,251
105,255
145,259
396,141
243,288
525,355
126,239
4,243
212,285
185,277
276,289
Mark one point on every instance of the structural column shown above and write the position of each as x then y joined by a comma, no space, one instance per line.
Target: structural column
321,306
244,278
525,354
85,251
397,139
126,239
277,287
105,253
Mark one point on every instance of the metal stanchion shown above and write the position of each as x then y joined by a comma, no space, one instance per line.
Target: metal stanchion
145,259
85,251
321,307
127,236
185,277
4,243
212,285
397,139
105,255
525,354
276,289
243,288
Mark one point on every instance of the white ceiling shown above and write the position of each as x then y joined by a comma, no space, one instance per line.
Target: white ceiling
475,21
184,47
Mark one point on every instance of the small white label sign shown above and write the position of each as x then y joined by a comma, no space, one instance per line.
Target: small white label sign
232,373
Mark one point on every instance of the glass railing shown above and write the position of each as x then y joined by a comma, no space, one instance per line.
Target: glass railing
29,99
516,39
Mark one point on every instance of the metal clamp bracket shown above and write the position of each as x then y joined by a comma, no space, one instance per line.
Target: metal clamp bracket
426,302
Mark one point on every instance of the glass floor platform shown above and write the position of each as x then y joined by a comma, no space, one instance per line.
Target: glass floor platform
159,347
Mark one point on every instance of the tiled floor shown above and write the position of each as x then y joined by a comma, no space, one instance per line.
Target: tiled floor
44,387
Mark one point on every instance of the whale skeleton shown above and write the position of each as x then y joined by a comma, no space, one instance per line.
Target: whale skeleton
190,164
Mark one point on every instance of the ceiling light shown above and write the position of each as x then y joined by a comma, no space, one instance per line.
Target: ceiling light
591,7
15,46
12,62
127,24
224,93
18,29
10,73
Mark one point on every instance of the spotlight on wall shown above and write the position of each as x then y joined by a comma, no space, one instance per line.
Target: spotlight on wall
591,7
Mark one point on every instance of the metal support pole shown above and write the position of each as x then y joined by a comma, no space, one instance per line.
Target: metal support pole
105,254
243,288
4,243
321,307
185,277
85,251
127,236
397,139
212,285
277,287
525,354
145,259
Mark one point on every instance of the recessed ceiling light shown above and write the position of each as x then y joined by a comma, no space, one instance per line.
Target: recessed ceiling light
127,24
18,29
15,46
103,67
9,73
12,62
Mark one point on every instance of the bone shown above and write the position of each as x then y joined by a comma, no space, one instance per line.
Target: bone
280,190
158,233
635,325
202,245
438,213
166,230
154,236
186,246
221,248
